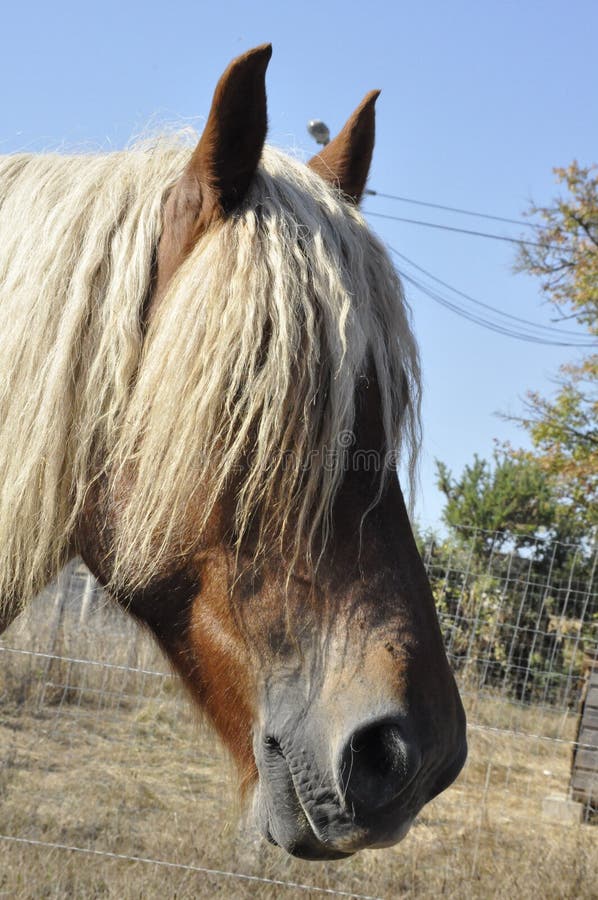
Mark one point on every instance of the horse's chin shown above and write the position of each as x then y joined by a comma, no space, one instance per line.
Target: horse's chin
285,824
292,832
312,850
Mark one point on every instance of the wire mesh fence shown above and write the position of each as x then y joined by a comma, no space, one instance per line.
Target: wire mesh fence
109,786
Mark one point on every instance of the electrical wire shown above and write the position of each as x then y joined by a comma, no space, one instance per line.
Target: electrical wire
454,209
484,234
478,320
506,329
564,332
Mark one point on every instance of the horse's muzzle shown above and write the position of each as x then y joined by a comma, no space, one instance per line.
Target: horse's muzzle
320,804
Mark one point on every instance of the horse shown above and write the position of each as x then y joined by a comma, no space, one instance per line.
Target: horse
209,376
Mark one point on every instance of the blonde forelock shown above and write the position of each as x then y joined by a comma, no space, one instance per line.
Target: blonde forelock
252,359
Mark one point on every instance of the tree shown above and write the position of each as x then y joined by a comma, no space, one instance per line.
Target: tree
514,607
509,501
565,253
564,430
512,579
564,435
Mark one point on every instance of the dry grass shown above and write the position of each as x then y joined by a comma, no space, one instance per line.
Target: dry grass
114,761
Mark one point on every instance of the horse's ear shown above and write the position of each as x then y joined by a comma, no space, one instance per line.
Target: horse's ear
229,150
222,165
345,161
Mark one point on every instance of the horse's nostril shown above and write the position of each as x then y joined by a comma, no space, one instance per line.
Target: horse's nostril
376,765
273,745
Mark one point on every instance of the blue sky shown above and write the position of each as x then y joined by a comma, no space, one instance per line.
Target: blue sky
479,101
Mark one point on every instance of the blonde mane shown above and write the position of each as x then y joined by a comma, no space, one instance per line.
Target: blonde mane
252,358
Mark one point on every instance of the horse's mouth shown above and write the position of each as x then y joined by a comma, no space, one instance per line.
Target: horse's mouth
314,824
310,850
281,813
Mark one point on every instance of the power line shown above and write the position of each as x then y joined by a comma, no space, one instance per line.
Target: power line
454,209
549,328
484,234
496,327
477,319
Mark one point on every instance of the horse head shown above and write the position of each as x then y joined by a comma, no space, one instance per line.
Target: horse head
282,577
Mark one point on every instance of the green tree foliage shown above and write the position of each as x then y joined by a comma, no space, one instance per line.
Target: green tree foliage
564,433
513,580
508,501
564,429
517,620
